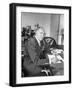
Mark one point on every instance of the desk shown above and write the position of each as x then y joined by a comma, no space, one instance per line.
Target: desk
58,68
55,69
57,61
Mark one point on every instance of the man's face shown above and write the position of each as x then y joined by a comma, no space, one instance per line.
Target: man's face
40,34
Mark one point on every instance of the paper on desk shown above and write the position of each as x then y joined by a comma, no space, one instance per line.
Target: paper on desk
53,57
50,57
59,57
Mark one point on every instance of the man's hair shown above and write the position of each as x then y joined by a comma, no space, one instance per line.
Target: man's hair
39,28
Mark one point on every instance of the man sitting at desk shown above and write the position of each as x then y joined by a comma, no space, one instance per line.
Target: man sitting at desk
32,59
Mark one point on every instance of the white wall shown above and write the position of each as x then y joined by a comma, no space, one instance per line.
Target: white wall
37,18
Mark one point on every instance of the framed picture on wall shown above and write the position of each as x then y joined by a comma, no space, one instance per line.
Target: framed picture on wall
40,44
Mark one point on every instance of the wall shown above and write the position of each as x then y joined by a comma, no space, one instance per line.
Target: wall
52,23
37,18
61,31
54,26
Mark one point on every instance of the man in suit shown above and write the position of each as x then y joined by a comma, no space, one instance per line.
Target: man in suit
33,52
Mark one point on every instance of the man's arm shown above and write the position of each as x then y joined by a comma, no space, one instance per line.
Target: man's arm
32,51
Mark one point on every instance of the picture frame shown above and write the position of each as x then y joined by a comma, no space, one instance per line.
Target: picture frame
18,11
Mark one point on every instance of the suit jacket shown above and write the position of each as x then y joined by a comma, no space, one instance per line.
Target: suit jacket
32,59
